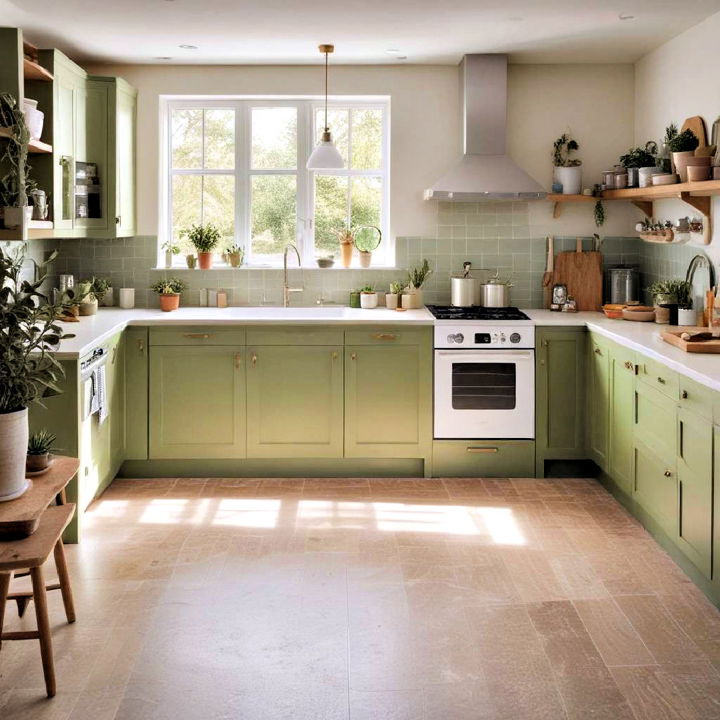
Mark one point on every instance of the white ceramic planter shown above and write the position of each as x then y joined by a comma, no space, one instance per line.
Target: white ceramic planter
13,216
365,258
571,179
13,453
34,118
88,307
412,300
368,301
687,317
391,301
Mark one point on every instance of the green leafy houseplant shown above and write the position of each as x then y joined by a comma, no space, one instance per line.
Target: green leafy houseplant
417,276
599,213
204,239
640,157
367,238
563,150
396,288
683,142
28,368
678,291
168,290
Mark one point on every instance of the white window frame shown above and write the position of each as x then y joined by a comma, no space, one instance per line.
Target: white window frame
306,107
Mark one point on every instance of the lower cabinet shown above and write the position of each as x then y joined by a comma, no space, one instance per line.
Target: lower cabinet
621,416
655,488
136,393
483,459
598,401
388,398
197,402
294,401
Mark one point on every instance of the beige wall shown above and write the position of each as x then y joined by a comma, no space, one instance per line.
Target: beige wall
595,102
676,81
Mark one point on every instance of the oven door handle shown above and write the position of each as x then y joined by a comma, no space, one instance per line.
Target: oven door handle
487,356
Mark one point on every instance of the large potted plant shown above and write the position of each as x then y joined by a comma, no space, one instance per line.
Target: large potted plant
637,158
28,368
567,169
204,239
168,291
15,184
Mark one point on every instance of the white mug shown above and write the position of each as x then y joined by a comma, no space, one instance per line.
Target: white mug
127,298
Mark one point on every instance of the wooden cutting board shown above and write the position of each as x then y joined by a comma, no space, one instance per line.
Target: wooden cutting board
697,125
704,346
582,273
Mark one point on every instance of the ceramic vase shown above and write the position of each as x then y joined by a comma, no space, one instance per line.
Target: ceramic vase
346,249
13,454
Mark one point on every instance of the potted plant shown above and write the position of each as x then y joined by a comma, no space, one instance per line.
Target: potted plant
368,297
168,291
15,185
347,242
392,299
171,249
38,451
235,255
568,169
89,294
367,239
668,292
412,295
28,369
204,239
681,146
637,158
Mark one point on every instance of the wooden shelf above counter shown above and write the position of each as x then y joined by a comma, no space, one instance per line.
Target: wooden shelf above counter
697,194
558,199
37,147
35,71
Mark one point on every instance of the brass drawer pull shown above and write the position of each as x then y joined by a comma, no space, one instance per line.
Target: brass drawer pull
667,473
385,336
484,450
238,359
684,395
141,345
333,355
197,336
661,380
353,356
253,359
598,351
628,365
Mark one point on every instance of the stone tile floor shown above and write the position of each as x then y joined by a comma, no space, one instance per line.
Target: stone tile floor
375,599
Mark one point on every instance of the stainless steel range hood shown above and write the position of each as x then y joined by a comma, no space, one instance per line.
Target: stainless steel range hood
485,171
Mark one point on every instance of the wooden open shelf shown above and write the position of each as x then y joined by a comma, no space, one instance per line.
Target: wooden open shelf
36,147
559,199
36,230
35,71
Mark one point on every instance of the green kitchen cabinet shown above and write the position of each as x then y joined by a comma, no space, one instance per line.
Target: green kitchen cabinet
115,375
294,401
136,393
622,368
560,395
197,402
598,401
695,488
117,176
656,422
388,394
655,488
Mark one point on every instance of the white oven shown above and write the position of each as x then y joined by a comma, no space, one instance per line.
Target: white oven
484,393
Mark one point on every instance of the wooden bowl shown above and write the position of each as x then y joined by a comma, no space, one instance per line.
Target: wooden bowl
639,313
669,179
614,312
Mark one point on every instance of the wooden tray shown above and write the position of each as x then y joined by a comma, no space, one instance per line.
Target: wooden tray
20,518
704,346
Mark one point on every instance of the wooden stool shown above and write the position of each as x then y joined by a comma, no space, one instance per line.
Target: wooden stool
32,553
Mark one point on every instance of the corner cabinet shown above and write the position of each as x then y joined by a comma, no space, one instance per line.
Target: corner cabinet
559,395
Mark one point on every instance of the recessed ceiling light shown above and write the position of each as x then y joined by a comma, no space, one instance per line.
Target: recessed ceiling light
392,51
188,47
623,16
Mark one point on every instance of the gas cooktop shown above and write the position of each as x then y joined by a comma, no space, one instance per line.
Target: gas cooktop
482,314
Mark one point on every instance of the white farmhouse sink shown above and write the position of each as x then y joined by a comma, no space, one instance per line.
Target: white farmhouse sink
289,313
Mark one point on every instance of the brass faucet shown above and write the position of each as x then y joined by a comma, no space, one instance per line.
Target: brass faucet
286,288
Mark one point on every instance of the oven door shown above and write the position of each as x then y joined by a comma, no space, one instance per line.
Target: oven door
485,394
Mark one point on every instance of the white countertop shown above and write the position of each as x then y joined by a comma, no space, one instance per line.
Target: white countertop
643,337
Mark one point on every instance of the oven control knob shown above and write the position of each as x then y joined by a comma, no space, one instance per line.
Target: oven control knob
515,338
502,337
459,338
451,338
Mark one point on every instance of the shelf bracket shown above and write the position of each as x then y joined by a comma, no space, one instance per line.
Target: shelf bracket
702,204
557,209
645,205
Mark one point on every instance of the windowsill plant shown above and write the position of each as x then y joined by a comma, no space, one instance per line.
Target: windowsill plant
367,240
204,238
168,291
171,249
235,255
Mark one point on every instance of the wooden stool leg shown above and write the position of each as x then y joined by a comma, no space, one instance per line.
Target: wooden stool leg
64,578
5,579
40,598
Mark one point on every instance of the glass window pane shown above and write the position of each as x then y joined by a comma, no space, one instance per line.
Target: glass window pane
338,124
274,138
273,213
186,206
219,206
219,139
331,195
366,201
187,138
366,139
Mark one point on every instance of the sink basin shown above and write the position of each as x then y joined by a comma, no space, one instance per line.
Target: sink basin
291,313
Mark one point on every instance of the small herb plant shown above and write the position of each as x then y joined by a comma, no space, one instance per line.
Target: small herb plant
678,290
417,276
168,286
204,238
640,157
396,288
563,150
681,142
41,442
367,289
171,247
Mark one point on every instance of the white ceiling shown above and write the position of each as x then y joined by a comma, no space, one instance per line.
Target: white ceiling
288,31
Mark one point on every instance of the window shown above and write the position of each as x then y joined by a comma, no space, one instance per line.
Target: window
240,164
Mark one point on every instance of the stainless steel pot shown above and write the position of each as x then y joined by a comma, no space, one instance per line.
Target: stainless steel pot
464,289
495,293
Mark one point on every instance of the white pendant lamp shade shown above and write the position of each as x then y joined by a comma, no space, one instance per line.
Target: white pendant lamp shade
325,156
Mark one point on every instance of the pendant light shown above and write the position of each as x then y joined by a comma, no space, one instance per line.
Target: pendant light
325,156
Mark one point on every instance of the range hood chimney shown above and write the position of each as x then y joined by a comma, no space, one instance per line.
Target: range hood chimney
485,171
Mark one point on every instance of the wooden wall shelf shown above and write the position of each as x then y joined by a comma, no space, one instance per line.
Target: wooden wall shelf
36,230
35,146
559,199
34,71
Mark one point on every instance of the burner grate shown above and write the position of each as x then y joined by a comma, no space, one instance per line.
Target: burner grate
450,312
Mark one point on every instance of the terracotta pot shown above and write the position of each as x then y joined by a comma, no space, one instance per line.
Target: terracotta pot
346,254
13,453
679,160
35,463
169,301
365,259
205,260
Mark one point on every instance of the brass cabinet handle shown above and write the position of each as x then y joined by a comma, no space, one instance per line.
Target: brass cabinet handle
253,359
333,355
545,343
661,380
114,355
478,450
684,395
238,358
141,345
198,336
353,356
385,336
667,473
628,365
598,351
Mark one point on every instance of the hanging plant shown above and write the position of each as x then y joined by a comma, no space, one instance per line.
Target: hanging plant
599,213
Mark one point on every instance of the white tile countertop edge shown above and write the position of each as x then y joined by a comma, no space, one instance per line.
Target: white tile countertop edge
643,337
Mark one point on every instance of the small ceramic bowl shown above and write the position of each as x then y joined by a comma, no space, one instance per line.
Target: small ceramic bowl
639,313
326,262
669,179
614,312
